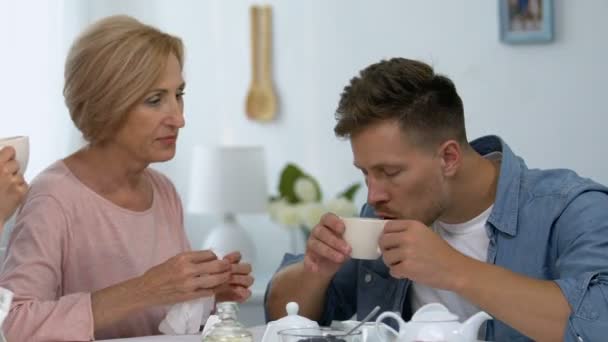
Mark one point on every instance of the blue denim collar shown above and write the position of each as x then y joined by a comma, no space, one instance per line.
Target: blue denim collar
506,205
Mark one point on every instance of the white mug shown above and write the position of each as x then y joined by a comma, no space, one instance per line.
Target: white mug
362,234
21,145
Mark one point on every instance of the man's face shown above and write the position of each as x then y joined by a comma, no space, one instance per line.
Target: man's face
404,181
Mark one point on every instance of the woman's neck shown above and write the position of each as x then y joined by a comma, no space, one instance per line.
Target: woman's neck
107,169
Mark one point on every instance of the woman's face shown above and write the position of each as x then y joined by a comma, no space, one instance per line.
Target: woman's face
151,129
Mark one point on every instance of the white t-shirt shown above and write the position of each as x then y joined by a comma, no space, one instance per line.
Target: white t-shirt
469,238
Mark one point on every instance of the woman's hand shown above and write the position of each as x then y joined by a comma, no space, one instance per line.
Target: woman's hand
184,277
12,185
237,288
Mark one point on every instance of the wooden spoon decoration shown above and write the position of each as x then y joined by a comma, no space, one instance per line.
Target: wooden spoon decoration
261,98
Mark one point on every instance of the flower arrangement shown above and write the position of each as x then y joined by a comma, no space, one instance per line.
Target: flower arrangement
300,200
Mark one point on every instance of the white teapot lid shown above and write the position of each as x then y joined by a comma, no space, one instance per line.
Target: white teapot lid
433,312
293,320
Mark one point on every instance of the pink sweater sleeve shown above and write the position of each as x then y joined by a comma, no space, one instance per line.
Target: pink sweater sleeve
33,271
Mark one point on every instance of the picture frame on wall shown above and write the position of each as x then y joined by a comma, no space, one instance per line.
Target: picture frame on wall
526,21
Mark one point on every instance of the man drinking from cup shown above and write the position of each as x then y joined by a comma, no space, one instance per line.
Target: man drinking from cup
470,226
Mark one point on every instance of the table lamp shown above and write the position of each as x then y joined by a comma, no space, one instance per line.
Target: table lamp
226,181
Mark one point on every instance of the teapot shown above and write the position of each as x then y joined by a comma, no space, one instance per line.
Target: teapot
291,321
435,323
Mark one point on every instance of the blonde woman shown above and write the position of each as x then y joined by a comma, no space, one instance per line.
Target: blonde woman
99,249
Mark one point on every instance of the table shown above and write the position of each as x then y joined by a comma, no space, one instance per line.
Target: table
257,331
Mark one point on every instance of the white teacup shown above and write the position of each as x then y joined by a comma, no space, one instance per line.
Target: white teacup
362,234
369,332
21,145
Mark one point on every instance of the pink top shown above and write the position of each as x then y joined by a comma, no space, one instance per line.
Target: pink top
68,241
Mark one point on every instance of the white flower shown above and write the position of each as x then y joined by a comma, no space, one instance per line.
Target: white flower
310,213
299,200
286,214
305,190
275,206
342,207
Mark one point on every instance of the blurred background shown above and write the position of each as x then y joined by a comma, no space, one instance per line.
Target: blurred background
547,100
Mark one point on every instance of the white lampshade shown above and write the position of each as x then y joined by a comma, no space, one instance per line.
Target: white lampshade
227,181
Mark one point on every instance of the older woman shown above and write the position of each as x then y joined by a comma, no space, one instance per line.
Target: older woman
99,249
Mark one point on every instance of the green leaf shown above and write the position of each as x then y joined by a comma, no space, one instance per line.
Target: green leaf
289,175
314,181
350,192
286,183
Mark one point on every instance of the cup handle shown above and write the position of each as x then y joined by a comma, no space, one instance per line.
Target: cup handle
380,325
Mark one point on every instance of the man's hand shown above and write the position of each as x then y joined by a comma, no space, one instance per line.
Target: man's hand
412,250
326,250
237,287
306,282
12,185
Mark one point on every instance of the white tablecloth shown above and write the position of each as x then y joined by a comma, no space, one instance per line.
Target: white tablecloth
257,331
159,338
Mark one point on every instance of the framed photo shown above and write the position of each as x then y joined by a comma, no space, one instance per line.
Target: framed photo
526,21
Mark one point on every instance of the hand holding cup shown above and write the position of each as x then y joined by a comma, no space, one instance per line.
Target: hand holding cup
12,185
326,249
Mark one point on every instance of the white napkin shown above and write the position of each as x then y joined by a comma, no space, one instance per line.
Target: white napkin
6,298
187,317
211,321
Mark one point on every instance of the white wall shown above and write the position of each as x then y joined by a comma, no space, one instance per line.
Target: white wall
34,38
547,101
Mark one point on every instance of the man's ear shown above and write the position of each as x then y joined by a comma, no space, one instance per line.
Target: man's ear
450,154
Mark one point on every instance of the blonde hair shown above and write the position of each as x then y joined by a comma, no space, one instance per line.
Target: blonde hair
109,69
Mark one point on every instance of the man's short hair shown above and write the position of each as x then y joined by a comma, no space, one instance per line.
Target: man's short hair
426,105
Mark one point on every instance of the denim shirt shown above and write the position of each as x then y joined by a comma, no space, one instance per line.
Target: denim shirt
545,224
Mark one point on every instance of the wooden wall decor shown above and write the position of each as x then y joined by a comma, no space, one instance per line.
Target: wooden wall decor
261,102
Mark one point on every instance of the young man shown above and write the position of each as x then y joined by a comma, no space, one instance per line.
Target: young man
470,225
